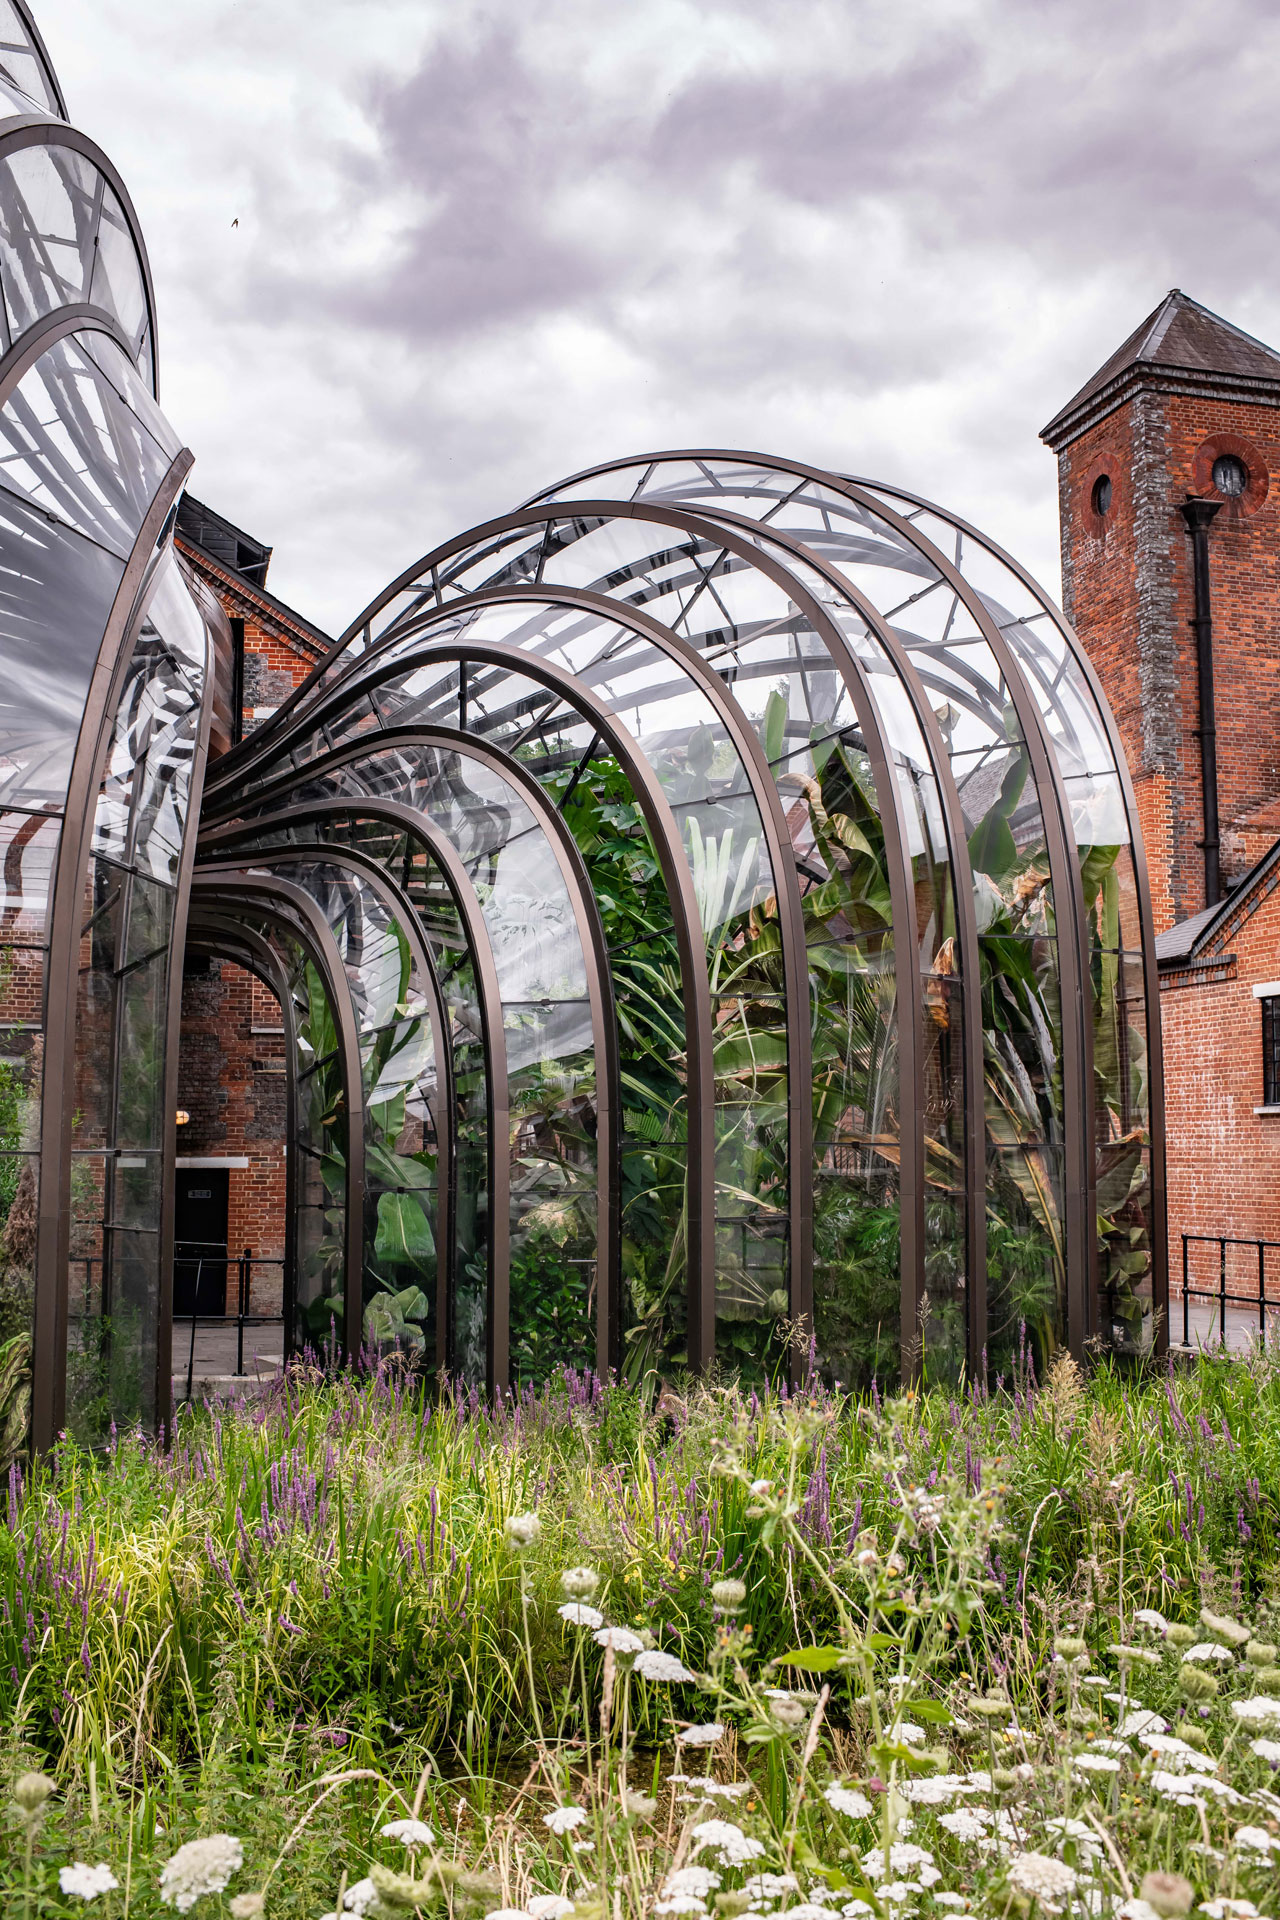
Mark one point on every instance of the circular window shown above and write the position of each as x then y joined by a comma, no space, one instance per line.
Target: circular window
1101,495
1230,475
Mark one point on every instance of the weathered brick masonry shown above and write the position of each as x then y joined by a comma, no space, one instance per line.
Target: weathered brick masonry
1183,392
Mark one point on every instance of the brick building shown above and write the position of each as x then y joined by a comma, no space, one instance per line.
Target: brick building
231,1088
1169,488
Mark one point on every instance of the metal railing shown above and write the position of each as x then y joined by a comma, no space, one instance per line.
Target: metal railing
1259,1250
209,1258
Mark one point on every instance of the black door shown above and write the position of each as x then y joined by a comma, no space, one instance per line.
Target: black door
200,1241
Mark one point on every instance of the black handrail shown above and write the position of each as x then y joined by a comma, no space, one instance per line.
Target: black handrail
1222,1241
244,1264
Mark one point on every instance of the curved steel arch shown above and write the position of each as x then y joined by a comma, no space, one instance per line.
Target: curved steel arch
595,956
458,881
398,903
773,824
28,131
41,54
232,886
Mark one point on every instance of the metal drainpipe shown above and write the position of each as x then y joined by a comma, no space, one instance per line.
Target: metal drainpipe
1198,514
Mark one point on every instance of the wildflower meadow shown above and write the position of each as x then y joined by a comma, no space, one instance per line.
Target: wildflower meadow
366,1646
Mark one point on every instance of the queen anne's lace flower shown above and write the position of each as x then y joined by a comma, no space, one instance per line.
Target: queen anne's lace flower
733,1847
1261,1711
548,1906
848,1801
965,1824
697,1880
1051,1882
86,1883
410,1833
1257,1839
360,1897
904,1858
522,1529
1177,1756
662,1666
1268,1750
578,1614
680,1903
621,1639
703,1736
1225,1908
1207,1650
1140,1722
564,1819
721,1789
202,1866
1148,1617
950,1900
1095,1763
934,1790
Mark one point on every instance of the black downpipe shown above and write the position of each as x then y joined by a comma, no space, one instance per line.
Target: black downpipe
1198,514
237,682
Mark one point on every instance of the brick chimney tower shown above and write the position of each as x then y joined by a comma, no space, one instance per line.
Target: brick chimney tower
1169,492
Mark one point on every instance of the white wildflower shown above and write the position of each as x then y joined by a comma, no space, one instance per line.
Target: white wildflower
965,1823
522,1529
621,1639
1255,1838
1227,1909
681,1903
578,1614
904,1857
1136,1909
1043,1878
807,1910
721,1790
359,1897
848,1801
1149,1617
1103,1745
202,1866
86,1883
910,1735
583,1846
564,1819
771,1886
703,1736
733,1847
1207,1650
1142,1722
855,1909
1095,1763
411,1833
1261,1711
1268,1750
933,1790
508,1913
761,1486
1092,1681
662,1666
1177,1756
950,1900
1079,1832
699,1881
548,1906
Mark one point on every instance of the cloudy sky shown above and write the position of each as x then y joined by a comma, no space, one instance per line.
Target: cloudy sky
415,259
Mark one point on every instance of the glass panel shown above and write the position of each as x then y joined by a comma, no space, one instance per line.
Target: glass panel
21,64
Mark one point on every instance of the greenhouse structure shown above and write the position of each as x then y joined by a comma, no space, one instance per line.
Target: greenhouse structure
706,905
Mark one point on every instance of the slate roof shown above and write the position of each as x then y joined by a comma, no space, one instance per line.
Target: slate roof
1201,935
1180,340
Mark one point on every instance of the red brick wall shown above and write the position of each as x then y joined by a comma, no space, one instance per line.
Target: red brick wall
232,1085
1223,1158
1128,589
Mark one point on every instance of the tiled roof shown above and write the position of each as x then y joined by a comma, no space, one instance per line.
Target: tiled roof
1181,336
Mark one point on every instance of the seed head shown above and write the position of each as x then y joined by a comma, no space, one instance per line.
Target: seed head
1168,1893
247,1906
522,1529
579,1583
729,1595
31,1790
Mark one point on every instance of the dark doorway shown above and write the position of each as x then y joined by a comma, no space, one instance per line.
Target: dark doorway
200,1241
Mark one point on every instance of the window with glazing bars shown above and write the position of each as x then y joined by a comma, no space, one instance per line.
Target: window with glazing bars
1271,1052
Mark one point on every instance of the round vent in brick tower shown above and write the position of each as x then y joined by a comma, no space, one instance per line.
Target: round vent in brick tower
1168,461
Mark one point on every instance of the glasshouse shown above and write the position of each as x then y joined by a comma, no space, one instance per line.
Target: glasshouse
706,906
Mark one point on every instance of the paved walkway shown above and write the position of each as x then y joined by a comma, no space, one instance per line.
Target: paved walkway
1204,1327
215,1359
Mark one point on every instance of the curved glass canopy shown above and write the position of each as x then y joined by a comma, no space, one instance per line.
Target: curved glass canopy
860,883
706,907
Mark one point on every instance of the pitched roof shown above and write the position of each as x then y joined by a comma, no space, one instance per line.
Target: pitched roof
1203,935
1180,339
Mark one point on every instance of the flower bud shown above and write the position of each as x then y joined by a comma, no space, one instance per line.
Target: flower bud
1230,1632
31,1790
1067,1647
729,1595
579,1583
788,1712
1196,1683
522,1529
1168,1893
1180,1635
1268,1678
1260,1653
